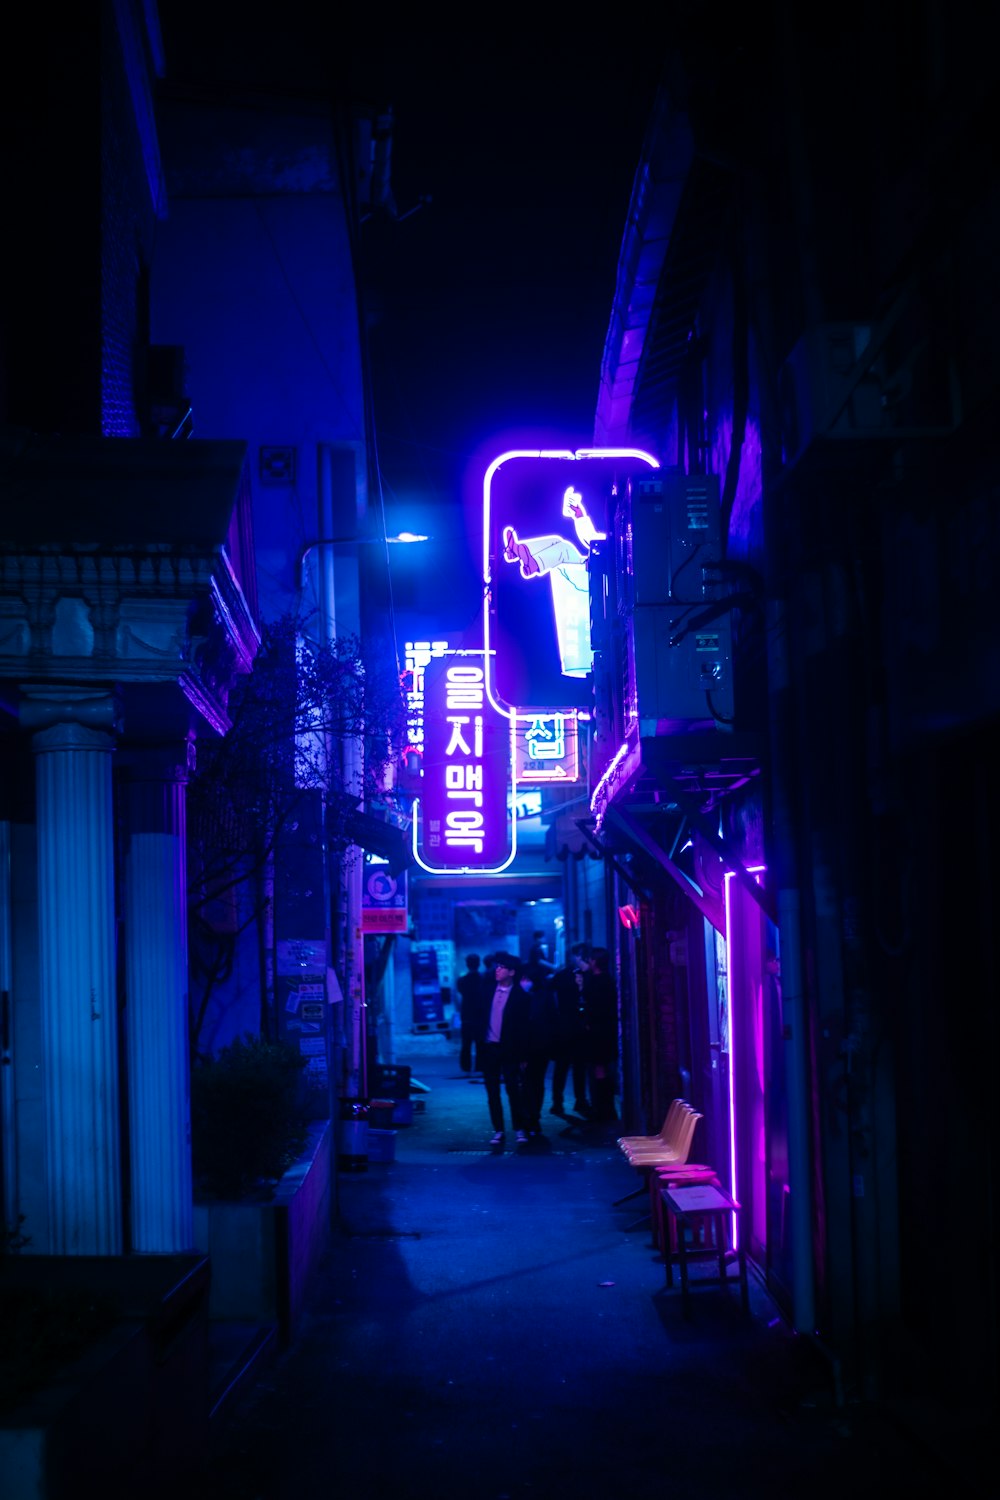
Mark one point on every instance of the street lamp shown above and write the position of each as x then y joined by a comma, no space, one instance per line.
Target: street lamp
404,537
355,1082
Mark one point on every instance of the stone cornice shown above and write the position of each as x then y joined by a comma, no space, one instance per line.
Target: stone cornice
114,569
164,617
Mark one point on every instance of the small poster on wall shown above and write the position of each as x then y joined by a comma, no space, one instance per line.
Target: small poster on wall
383,900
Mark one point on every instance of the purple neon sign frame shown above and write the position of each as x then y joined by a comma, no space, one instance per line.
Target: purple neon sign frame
757,871
550,562
461,820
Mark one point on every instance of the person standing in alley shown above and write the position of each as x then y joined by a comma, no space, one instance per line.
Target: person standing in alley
538,953
505,1049
474,994
600,1018
541,1040
569,1063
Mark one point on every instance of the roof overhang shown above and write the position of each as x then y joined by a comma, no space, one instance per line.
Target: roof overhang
668,800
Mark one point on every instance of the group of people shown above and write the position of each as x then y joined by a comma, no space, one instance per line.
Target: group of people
519,1016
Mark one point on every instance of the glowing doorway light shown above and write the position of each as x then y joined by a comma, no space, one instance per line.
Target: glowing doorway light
757,871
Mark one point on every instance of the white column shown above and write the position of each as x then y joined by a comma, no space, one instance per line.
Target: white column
156,1002
77,978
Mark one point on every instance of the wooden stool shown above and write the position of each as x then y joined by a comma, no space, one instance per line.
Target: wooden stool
710,1205
692,1174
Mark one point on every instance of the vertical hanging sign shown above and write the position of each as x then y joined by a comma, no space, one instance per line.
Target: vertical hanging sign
462,820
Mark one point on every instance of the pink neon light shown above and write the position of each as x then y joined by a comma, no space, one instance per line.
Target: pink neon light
609,772
729,875
626,763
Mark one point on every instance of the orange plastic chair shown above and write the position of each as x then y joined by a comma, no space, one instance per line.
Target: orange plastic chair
644,1158
664,1140
664,1134
666,1153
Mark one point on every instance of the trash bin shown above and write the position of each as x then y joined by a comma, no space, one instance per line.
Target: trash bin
353,1153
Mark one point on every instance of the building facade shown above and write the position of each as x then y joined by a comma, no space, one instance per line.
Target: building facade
184,462
796,676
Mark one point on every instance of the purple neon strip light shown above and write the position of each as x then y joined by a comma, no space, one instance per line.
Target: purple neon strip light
734,1184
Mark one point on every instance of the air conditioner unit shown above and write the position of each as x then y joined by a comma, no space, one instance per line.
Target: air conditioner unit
677,625
828,389
669,529
890,380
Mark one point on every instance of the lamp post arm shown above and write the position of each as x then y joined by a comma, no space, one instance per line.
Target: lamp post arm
404,537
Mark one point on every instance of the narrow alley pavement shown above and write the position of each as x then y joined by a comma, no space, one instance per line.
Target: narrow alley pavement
490,1325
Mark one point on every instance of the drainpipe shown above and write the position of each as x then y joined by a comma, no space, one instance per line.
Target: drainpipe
792,990
8,1120
339,607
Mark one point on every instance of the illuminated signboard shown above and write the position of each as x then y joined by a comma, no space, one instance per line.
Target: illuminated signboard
547,748
383,899
417,655
541,511
461,819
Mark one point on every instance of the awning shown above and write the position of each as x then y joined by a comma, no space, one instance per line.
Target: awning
670,803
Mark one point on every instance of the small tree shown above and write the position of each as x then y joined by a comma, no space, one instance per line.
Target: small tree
292,718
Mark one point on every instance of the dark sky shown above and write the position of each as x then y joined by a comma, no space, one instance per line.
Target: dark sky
487,307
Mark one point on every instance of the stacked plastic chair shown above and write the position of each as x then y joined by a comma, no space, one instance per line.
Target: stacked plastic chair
669,1148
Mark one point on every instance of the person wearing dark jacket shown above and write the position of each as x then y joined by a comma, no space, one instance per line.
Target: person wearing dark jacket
541,1040
569,1060
475,992
505,1049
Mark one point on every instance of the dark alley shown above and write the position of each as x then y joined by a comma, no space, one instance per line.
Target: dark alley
487,1324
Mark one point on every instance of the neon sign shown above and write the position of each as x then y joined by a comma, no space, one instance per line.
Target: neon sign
542,510
461,820
418,654
564,562
733,969
547,748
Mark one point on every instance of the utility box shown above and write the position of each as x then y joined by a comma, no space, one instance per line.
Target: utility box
672,603
382,1145
390,1081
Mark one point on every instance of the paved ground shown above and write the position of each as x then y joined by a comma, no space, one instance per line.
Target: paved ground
488,1325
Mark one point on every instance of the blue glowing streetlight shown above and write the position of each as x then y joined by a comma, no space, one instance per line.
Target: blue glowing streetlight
405,537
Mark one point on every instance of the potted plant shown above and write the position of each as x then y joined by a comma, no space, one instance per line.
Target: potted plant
250,1114
261,1146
